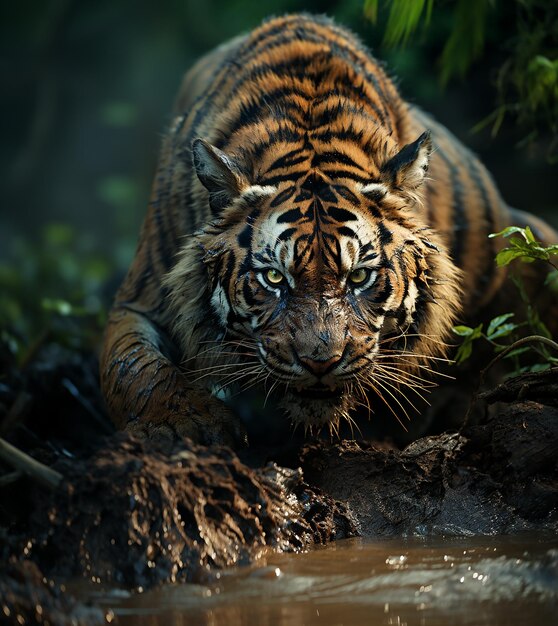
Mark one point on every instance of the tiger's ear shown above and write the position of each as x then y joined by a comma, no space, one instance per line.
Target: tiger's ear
407,169
219,173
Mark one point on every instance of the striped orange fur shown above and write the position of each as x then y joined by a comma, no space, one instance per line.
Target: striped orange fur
309,232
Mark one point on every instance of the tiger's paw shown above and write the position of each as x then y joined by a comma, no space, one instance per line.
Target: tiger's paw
214,425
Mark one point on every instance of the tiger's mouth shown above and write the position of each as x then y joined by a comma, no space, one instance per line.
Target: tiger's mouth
318,392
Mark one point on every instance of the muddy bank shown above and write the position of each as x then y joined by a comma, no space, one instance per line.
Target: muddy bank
498,478
138,514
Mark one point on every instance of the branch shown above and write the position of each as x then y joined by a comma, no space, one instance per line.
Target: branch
517,344
28,465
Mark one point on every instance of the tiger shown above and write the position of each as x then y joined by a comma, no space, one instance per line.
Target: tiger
309,234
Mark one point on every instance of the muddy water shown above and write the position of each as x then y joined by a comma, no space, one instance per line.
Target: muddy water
413,581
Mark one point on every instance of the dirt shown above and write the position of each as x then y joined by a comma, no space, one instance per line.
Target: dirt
498,478
28,597
139,514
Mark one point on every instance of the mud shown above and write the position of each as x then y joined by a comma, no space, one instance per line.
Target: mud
27,597
497,478
139,514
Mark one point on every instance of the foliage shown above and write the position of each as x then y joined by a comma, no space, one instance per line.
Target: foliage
524,247
527,80
465,41
404,18
52,290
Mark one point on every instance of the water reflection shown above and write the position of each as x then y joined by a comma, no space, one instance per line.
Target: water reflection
413,581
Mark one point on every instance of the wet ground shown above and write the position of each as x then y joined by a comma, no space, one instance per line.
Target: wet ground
442,521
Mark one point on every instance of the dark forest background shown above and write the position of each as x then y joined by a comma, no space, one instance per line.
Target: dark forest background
87,89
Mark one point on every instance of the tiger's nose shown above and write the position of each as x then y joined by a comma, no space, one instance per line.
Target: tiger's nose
320,367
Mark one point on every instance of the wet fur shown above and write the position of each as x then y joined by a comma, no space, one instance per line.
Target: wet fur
191,313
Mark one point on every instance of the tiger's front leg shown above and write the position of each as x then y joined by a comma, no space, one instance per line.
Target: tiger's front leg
148,395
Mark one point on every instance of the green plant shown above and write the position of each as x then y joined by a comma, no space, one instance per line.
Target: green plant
52,289
525,30
523,247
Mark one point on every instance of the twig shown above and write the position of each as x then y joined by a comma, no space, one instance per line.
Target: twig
19,460
515,345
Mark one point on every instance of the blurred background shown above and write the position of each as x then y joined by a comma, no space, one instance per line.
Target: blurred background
87,93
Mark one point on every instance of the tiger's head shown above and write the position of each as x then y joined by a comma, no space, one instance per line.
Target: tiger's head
319,282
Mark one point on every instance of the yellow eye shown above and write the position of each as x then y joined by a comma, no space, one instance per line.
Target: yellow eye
359,276
274,277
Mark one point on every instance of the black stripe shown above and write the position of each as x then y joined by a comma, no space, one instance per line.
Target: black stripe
459,216
293,215
381,296
488,211
340,173
345,134
384,234
346,231
248,293
341,215
249,112
245,236
294,157
286,234
285,195
346,193
281,178
334,156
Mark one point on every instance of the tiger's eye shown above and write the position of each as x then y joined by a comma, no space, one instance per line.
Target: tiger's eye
273,276
358,276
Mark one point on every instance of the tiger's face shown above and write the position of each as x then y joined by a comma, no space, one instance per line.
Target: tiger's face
319,287
327,283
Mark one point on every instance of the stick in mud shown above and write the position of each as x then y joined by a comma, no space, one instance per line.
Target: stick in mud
28,465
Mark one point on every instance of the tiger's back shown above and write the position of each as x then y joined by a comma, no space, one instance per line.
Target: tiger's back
291,151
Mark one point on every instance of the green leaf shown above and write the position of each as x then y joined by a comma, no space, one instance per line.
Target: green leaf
537,367
497,321
12,343
463,331
466,41
502,331
507,255
464,351
470,334
403,20
515,352
477,332
507,232
371,10
529,235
